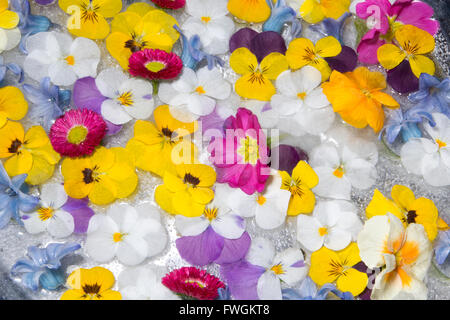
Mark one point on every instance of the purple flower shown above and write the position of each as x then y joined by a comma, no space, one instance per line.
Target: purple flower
433,95
288,157
80,212
402,79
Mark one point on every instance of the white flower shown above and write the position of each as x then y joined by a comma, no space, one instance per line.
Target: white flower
128,98
195,92
9,39
144,283
50,216
128,233
56,55
430,158
300,98
333,224
210,22
287,266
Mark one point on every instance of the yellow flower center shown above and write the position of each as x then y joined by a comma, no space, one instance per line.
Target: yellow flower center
199,283
261,200
310,55
210,214
277,269
323,231
117,237
155,66
77,134
339,172
15,146
249,150
200,90
441,143
301,95
126,99
89,12
206,19
70,60
45,213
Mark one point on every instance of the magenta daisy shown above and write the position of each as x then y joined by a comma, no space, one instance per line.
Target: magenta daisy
155,64
193,283
77,132
170,4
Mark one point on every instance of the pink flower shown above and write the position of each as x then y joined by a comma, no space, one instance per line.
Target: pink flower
190,282
77,132
155,64
170,4
240,155
388,17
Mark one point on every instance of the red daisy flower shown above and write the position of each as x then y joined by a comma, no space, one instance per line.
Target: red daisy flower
77,132
170,4
155,64
193,283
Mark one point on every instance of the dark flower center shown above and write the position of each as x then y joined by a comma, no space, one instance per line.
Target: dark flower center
15,145
411,216
189,178
88,175
135,44
91,288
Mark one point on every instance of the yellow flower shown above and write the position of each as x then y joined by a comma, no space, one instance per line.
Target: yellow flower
140,27
30,152
314,11
249,10
13,105
8,19
408,209
106,175
414,43
91,284
329,266
302,52
255,82
91,22
188,191
300,184
156,147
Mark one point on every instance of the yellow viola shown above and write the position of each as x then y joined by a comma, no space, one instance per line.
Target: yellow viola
188,191
329,266
13,105
157,146
255,82
8,19
30,152
414,44
299,185
249,10
88,17
408,209
106,175
140,27
314,11
302,52
91,284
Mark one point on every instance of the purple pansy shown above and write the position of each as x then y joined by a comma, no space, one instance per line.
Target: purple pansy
288,157
402,79
80,212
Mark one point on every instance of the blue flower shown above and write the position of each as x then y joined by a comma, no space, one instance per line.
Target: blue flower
224,294
13,198
43,266
433,95
49,102
280,15
308,291
331,27
14,68
442,249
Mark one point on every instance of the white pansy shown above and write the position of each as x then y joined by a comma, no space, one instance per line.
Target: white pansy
9,38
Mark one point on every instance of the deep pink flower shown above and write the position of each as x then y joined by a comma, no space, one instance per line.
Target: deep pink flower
170,4
77,132
193,283
155,64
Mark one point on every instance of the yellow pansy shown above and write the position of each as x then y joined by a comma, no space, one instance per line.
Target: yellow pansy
314,11
408,209
255,82
104,176
188,191
91,284
30,152
414,44
88,16
155,147
302,52
300,184
329,266
8,19
249,10
13,105
140,27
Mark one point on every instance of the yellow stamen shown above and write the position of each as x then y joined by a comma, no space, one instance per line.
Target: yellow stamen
200,284
45,213
200,90
155,66
261,200
323,231
210,214
126,99
70,60
339,172
441,143
277,269
206,19
249,150
77,134
117,237
301,95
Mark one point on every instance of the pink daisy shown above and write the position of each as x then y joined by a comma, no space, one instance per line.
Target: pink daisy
193,283
155,64
170,4
77,132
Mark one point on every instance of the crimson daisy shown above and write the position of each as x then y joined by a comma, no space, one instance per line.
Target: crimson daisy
170,4
155,64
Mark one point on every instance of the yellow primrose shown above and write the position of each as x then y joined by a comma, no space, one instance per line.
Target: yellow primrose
314,11
188,191
8,19
140,27
249,10
408,209
255,82
30,152
91,284
302,52
414,43
300,184
157,147
88,16
13,105
329,266
104,176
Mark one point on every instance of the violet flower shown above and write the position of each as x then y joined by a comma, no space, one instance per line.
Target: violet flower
288,157
402,79
433,95
282,14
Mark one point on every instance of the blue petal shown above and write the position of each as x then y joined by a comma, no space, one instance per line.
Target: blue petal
52,279
57,251
27,203
23,266
5,217
427,81
4,178
291,294
31,280
409,131
392,133
331,27
308,288
280,15
17,70
324,290
38,256
18,181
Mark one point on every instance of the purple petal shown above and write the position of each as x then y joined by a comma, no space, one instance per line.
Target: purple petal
44,2
80,212
242,38
402,79
242,279
86,95
288,157
234,250
344,62
211,122
267,42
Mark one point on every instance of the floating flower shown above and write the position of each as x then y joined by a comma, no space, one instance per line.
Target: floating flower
249,10
56,55
155,64
192,283
404,254
42,266
170,4
289,157
13,105
432,95
362,101
91,284
77,133
314,11
104,176
308,291
282,14
9,33
29,152
442,249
